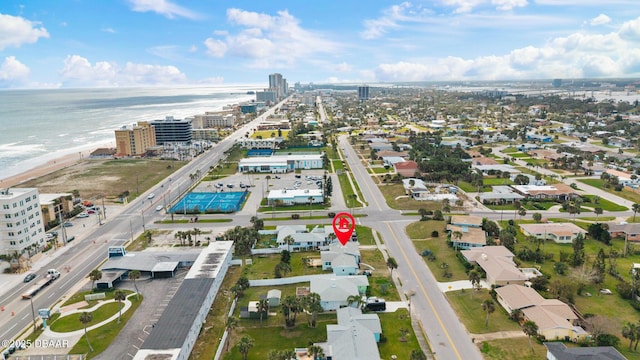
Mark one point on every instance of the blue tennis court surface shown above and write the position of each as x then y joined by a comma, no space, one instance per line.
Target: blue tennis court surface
207,202
259,152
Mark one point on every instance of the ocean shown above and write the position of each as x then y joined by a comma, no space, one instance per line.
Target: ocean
40,125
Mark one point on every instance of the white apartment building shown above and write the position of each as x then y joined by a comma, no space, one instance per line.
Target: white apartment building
21,224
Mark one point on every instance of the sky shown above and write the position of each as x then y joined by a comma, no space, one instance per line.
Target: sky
128,43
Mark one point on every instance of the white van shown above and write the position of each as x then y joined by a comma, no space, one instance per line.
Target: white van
54,273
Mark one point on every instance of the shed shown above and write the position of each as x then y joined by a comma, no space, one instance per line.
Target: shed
273,296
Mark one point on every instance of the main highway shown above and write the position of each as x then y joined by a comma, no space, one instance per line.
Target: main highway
90,249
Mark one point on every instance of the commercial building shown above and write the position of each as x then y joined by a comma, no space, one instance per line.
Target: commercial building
297,196
224,119
135,140
268,96
172,130
204,134
21,225
175,333
53,205
281,163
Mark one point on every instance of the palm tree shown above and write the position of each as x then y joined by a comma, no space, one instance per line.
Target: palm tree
417,355
516,205
635,207
522,212
630,331
119,296
474,277
95,275
316,352
312,304
195,233
245,344
489,307
135,275
392,264
598,211
310,198
85,318
232,323
263,307
289,241
355,300
531,329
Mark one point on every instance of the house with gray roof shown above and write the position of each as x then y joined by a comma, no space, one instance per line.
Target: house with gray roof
334,290
559,351
302,239
355,336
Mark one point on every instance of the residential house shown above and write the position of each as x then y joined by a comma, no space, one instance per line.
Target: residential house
539,138
497,262
619,142
343,260
559,192
624,178
484,161
500,195
334,290
466,221
630,232
406,168
387,153
532,179
527,147
464,237
353,338
392,160
350,314
560,233
302,239
559,351
555,319
544,154
487,169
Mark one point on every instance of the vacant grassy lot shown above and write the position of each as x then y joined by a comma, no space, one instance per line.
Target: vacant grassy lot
392,191
264,134
625,193
422,230
263,265
93,178
470,312
380,283
515,348
393,326
444,257
605,204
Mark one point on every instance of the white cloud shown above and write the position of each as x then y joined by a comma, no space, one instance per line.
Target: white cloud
80,72
15,31
163,7
268,41
13,72
343,67
600,20
508,4
193,49
375,28
462,6
576,55
109,30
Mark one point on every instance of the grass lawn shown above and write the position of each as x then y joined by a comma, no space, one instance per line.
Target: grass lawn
72,322
337,165
514,348
380,283
518,155
444,255
470,312
496,181
423,229
365,235
392,191
79,296
269,133
263,265
393,325
509,150
605,204
94,178
625,193
103,336
381,170
467,187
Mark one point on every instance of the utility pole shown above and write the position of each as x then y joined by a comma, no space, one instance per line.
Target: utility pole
104,209
33,314
142,212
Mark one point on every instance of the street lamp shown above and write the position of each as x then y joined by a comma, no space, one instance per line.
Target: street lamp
33,314
142,212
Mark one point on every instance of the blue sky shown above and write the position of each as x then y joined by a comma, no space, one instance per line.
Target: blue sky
122,43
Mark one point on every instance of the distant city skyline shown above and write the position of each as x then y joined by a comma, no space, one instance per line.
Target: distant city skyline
126,43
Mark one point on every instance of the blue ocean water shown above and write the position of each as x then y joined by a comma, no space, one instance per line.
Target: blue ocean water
39,125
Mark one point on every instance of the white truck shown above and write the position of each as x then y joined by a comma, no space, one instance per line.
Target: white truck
52,275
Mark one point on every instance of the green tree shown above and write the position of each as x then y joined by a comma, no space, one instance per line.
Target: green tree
316,352
417,354
289,241
630,331
537,217
263,308
290,308
474,277
635,207
135,275
232,323
392,264
489,307
312,305
245,344
599,268
119,296
578,255
282,269
355,300
530,328
598,211
95,275
86,318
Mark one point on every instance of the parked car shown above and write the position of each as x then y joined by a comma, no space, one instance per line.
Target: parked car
159,208
29,277
91,212
230,186
67,224
83,215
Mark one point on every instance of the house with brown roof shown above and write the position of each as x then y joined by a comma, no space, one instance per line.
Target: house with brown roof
560,233
406,168
545,154
391,153
556,191
484,161
464,237
555,319
630,232
498,265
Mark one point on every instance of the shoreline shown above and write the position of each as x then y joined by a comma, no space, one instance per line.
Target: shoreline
52,165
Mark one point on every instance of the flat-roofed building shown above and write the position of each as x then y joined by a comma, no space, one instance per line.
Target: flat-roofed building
135,140
281,163
561,233
55,205
170,130
221,119
21,225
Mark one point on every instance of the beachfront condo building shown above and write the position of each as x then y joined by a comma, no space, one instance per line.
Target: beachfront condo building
172,131
21,226
135,140
210,119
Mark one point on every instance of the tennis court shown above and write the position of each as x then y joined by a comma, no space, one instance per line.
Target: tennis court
208,202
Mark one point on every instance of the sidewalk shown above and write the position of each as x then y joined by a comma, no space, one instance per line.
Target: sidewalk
68,339
459,285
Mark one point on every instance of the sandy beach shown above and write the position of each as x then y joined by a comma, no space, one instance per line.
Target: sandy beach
48,167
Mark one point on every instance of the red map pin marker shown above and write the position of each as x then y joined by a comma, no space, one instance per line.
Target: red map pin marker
343,226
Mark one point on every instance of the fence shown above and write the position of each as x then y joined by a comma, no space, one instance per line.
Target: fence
288,280
97,296
223,339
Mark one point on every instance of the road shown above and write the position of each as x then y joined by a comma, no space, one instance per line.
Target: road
447,336
88,251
